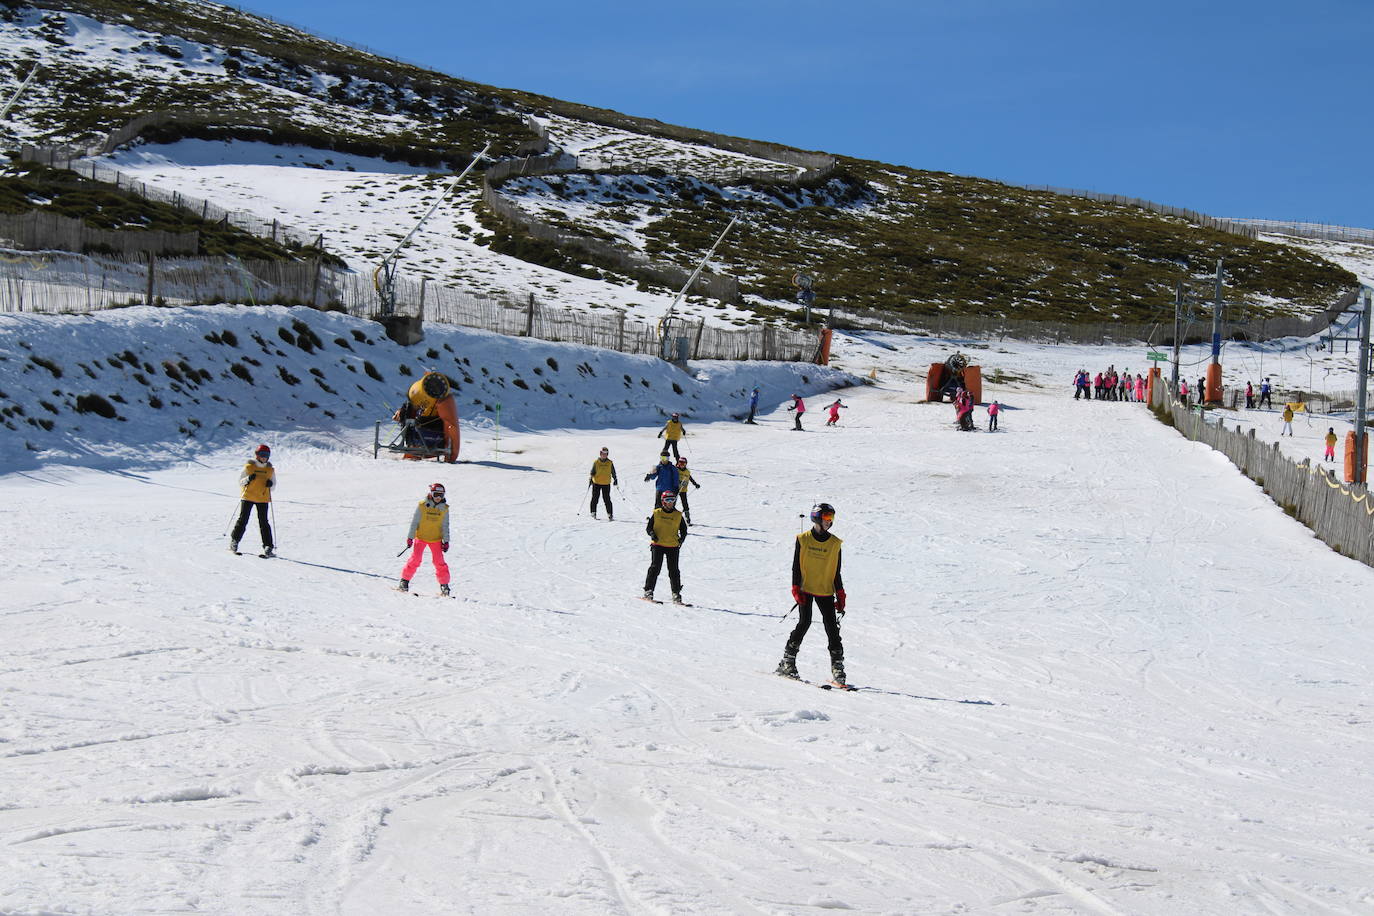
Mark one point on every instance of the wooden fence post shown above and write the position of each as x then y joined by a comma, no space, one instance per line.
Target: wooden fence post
424,282
620,331
529,318
152,262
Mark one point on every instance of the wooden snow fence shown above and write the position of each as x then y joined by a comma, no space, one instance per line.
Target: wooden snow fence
1341,514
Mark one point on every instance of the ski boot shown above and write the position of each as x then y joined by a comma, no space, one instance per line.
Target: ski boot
233,546
268,552
610,517
593,513
788,668
443,590
404,586
837,674
677,598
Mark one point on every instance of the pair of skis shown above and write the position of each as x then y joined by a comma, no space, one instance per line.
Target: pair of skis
656,601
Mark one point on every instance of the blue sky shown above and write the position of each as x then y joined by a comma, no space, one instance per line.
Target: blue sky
1248,109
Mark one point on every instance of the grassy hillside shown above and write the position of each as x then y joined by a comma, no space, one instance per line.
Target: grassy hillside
874,235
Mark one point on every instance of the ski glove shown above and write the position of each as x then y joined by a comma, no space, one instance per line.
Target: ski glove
252,477
410,542
839,602
444,546
797,594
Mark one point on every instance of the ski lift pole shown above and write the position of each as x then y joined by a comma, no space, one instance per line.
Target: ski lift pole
4,112
663,322
384,277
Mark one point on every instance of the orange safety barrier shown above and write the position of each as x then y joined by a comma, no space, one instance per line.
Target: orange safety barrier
1352,464
1213,393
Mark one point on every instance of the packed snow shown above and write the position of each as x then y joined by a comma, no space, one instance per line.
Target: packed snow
1101,671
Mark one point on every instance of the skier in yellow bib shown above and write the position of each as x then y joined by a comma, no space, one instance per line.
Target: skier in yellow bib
428,531
816,579
667,529
671,433
685,478
600,478
258,479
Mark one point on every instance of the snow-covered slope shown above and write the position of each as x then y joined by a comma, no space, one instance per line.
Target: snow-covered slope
1104,673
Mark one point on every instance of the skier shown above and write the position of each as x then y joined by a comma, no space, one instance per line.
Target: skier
753,404
1183,391
1249,396
993,410
685,478
963,410
671,432
800,407
1265,394
257,480
1330,444
665,477
835,412
428,529
1287,420
601,477
816,579
667,529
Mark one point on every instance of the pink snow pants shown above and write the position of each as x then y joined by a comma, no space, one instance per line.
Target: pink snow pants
1331,453
417,554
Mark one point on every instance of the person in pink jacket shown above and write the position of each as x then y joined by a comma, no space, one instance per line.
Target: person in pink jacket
993,410
800,407
835,412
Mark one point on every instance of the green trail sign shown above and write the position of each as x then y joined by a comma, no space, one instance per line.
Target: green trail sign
1156,357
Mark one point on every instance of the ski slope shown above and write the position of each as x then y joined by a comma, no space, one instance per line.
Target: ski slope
1104,675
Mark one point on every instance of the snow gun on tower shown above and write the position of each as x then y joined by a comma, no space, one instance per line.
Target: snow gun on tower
428,422
946,378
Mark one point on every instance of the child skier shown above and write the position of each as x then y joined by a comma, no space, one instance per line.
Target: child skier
667,529
257,480
1330,444
1287,420
685,478
753,404
799,406
993,410
816,579
671,433
600,479
665,477
835,412
428,530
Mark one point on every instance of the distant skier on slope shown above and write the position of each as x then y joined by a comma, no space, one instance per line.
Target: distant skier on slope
993,410
816,579
428,530
257,480
753,405
667,529
665,477
600,478
671,433
799,406
835,409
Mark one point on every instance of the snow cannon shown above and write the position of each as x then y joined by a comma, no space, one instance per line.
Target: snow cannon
946,378
429,422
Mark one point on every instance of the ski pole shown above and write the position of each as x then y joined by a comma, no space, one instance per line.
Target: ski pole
230,520
272,510
582,497
404,549
794,606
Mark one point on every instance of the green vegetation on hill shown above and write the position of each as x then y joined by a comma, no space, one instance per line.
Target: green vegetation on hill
874,236
894,238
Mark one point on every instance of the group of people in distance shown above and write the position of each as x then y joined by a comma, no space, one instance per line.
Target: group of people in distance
1109,386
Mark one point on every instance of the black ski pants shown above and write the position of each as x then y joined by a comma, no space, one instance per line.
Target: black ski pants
241,525
684,506
602,491
657,555
671,445
832,627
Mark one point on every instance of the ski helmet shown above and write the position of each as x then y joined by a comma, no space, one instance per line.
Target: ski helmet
263,451
668,498
676,415
681,462
822,510
605,451
663,458
436,492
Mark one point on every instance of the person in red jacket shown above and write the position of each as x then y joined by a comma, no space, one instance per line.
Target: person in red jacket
799,406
